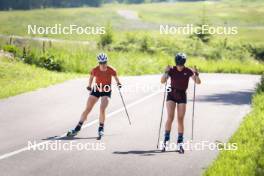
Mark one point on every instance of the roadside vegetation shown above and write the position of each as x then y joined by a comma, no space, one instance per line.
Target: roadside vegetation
248,159
136,51
17,77
138,54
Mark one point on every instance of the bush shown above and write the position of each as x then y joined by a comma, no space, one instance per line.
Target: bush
131,38
133,43
203,35
47,62
12,49
257,51
170,46
221,49
50,63
260,86
31,59
107,38
146,45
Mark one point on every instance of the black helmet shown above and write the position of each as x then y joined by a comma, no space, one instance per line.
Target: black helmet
180,59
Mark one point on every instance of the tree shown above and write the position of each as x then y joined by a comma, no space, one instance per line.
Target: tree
134,1
204,36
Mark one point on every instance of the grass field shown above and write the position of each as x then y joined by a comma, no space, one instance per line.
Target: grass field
137,51
218,13
16,22
248,16
17,77
249,158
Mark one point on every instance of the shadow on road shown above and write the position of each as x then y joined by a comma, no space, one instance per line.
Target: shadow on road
230,98
67,138
141,152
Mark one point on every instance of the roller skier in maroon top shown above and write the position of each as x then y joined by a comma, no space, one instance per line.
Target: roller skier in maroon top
176,98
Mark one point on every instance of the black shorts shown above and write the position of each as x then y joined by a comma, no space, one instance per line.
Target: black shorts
100,94
177,96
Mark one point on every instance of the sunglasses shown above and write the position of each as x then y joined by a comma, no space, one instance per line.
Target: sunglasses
102,63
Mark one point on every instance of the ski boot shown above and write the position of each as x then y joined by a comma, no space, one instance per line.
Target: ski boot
100,133
166,141
72,133
164,146
180,148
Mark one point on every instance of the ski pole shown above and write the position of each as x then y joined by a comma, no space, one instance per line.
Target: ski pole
124,105
194,87
164,97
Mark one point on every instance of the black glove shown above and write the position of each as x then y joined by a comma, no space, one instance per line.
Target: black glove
119,85
89,88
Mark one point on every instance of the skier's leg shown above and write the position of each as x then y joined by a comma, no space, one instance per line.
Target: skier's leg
171,112
181,109
89,106
103,106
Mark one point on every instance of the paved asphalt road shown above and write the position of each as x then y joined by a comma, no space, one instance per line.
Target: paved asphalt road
222,102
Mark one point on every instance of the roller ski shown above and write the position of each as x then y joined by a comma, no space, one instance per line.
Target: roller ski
180,148
72,133
75,131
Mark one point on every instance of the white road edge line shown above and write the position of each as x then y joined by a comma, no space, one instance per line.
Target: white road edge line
7,155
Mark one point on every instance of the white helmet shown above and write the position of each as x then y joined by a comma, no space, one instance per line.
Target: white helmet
102,57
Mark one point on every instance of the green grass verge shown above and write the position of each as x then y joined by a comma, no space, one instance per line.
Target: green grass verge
81,59
16,77
249,158
247,66
140,63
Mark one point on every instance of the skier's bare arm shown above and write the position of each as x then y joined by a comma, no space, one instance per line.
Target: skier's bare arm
165,76
117,80
196,77
90,81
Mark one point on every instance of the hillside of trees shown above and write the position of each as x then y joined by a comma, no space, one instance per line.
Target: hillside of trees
33,4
